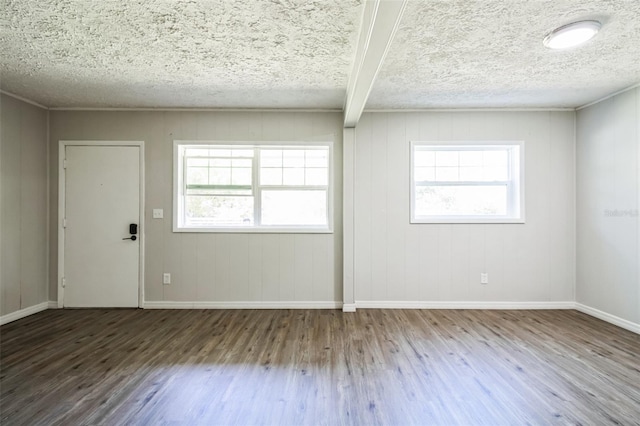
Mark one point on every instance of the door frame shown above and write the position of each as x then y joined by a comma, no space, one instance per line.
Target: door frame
62,177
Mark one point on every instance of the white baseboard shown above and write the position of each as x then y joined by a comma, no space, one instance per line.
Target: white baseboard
13,316
463,305
241,305
620,322
348,307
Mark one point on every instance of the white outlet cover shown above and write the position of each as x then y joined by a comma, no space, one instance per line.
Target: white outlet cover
158,213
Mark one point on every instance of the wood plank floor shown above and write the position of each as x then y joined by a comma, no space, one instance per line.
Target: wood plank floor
318,367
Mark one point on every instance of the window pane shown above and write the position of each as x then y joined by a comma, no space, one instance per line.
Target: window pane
197,176
460,200
218,210
424,158
424,174
220,162
243,153
317,158
316,177
294,207
495,173
444,174
270,176
293,176
220,152
219,176
217,185
496,158
471,158
271,158
293,158
196,152
244,162
241,176
219,190
197,162
471,173
446,158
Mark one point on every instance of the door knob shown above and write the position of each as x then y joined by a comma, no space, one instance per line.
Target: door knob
132,238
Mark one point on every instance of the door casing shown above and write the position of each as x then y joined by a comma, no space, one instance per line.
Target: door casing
62,147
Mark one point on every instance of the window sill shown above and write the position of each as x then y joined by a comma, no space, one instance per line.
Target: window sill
462,220
256,230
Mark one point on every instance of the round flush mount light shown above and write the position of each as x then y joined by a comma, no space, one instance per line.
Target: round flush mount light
572,34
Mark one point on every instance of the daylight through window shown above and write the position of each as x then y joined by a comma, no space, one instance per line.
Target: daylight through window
252,187
467,182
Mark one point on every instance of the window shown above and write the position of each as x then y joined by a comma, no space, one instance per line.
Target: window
249,188
467,182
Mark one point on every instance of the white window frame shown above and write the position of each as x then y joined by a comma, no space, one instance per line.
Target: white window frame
515,182
178,188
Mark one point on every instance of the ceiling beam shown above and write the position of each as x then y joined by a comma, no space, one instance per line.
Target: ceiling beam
379,24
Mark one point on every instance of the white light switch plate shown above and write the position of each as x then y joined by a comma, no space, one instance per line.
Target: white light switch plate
158,213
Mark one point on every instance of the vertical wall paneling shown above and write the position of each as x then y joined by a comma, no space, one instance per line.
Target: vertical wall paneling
378,207
271,268
217,267
23,194
287,281
428,262
363,193
400,262
396,155
413,259
348,176
255,268
607,151
11,196
303,266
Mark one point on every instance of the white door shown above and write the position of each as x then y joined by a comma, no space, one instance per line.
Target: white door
102,200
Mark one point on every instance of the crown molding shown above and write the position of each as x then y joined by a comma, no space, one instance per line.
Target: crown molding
23,99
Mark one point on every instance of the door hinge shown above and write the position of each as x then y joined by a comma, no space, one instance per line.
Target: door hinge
64,222
64,163
64,282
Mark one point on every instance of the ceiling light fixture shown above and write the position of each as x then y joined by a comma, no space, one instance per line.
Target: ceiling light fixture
571,35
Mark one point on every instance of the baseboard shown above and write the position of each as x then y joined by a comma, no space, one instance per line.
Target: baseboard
612,319
620,322
349,307
463,305
241,305
13,316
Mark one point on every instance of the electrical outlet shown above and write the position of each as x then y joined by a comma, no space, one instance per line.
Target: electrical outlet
166,278
484,278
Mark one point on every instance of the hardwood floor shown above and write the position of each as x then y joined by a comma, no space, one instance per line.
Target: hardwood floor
318,367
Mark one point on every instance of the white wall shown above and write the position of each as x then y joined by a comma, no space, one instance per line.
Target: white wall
23,195
207,267
398,261
608,137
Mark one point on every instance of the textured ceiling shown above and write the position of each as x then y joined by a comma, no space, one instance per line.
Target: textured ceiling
299,53
489,53
179,53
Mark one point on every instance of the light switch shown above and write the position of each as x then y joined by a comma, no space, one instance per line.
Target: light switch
158,213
